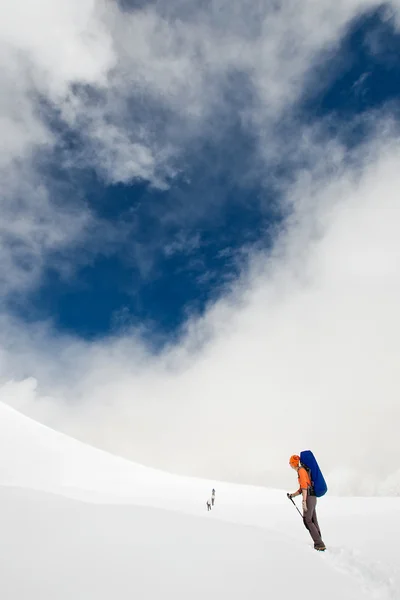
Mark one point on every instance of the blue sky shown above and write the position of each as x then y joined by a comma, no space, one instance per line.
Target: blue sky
174,256
181,246
198,229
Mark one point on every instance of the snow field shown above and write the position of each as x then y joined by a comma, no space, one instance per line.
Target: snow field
77,523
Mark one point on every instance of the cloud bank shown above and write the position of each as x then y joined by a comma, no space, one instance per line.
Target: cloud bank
302,352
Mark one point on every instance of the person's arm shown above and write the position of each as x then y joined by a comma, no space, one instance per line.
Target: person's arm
303,479
304,502
295,494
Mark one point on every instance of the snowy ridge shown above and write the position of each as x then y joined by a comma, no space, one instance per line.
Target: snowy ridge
143,532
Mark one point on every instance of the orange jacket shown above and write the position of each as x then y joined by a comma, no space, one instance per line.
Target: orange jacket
304,479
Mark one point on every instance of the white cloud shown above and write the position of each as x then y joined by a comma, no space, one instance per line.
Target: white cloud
178,60
64,42
31,226
304,353
45,49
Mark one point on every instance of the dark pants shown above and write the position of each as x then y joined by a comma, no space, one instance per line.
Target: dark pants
311,521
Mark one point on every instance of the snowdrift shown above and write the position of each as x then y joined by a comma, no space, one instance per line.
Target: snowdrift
79,523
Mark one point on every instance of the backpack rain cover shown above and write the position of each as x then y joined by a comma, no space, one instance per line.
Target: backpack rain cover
307,459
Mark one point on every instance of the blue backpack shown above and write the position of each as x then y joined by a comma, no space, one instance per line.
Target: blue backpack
318,483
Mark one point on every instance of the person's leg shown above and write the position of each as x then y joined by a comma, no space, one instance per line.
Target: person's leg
309,522
315,521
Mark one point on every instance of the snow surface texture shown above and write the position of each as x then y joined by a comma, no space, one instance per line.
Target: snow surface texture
79,523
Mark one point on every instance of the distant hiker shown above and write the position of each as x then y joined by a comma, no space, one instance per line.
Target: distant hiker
309,501
209,505
213,497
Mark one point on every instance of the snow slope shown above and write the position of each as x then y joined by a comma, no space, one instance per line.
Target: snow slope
77,523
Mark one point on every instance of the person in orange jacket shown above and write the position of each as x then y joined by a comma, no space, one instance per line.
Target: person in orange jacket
309,502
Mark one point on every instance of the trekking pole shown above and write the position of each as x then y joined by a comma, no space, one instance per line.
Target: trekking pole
294,504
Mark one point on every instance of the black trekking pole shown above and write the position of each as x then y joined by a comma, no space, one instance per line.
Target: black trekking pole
294,504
